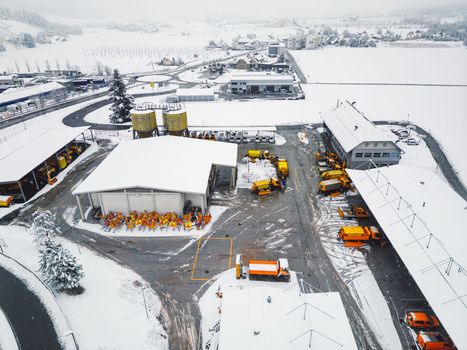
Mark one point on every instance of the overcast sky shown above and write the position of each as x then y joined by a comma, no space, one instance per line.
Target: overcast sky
160,9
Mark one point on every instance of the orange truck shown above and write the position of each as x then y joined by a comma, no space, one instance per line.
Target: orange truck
277,270
421,320
434,341
355,236
353,212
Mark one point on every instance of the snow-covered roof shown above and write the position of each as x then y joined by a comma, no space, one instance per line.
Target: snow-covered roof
13,94
165,163
249,321
195,92
264,77
426,221
351,128
23,152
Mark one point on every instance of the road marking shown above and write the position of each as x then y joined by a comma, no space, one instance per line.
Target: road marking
193,278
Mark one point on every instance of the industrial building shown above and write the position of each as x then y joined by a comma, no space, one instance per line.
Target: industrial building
9,81
35,95
276,49
195,95
33,158
408,204
157,174
356,140
261,83
277,318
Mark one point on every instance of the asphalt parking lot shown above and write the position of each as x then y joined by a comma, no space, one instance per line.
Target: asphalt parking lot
283,224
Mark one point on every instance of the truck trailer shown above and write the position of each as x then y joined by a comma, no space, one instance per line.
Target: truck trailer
276,270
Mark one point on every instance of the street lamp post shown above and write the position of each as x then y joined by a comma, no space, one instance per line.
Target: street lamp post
144,299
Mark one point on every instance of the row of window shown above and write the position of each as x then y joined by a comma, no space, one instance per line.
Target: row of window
377,155
375,144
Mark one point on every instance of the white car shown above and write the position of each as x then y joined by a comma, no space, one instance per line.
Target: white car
412,141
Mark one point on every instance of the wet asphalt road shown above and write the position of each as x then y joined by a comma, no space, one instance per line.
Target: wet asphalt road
27,314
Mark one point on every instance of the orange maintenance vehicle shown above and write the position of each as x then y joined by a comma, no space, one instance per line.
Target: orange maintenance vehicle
421,320
277,270
5,201
434,341
356,236
353,212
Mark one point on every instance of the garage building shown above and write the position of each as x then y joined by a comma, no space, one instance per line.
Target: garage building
157,174
261,82
356,140
31,159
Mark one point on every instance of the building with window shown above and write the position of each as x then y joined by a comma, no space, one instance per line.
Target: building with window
356,140
261,83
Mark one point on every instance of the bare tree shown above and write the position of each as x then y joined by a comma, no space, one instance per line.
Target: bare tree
99,68
47,65
17,66
38,68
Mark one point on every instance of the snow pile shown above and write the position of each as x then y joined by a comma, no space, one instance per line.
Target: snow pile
7,335
101,318
303,138
354,271
249,172
280,140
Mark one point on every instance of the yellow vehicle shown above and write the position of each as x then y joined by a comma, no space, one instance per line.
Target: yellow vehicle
265,187
353,212
5,201
257,154
333,174
354,236
282,168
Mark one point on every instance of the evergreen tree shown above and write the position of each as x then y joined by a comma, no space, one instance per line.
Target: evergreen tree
122,103
43,227
59,267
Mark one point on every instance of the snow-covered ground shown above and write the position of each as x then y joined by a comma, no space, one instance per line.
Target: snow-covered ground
7,335
215,211
353,269
110,313
432,65
249,172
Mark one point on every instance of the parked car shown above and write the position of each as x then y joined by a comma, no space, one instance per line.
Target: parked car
412,141
434,341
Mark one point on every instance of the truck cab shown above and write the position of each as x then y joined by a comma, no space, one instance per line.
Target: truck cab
421,320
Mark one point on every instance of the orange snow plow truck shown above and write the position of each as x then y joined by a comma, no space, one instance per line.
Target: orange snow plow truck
276,270
357,236
434,341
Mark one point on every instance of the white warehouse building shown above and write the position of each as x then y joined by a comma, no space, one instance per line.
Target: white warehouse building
261,83
356,140
156,174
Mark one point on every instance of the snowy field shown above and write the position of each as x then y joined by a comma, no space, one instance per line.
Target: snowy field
430,65
131,51
110,313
